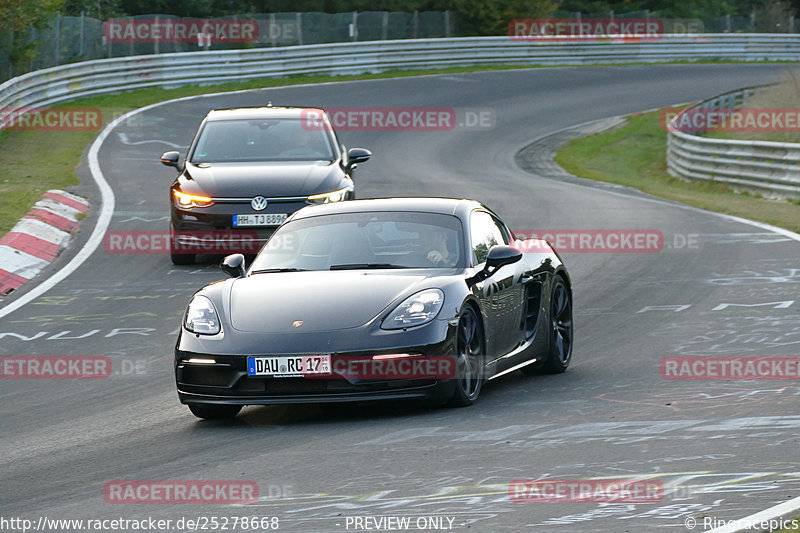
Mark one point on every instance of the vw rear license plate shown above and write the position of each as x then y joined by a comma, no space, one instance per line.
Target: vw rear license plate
271,219
289,365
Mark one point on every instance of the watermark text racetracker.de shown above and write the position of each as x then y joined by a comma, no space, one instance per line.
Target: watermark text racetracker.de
399,119
600,29
51,119
603,240
69,367
149,523
748,120
180,30
55,367
184,242
180,491
729,368
586,490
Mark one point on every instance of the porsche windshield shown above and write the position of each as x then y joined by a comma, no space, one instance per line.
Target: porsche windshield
350,241
261,140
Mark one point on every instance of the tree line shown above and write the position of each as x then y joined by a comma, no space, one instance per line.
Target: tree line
477,17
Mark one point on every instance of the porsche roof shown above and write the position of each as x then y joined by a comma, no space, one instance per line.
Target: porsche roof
448,206
266,112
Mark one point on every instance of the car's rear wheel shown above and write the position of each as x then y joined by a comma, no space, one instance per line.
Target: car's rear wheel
211,411
470,356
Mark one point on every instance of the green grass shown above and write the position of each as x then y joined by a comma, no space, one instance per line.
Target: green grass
33,162
635,155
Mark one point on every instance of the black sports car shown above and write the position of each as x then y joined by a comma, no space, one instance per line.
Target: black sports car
248,169
375,299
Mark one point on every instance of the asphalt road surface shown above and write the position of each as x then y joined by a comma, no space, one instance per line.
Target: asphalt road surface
720,449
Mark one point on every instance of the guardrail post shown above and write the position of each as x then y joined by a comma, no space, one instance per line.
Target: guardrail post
155,41
58,37
80,46
354,26
10,47
385,26
299,28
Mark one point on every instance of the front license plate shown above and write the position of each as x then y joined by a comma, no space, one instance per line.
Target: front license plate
284,366
267,219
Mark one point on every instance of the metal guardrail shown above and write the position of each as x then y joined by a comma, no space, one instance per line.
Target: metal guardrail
67,82
769,168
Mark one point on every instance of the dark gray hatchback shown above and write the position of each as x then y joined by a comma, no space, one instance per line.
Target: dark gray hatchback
247,170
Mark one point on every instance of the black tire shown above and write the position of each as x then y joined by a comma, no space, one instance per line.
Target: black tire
470,359
177,255
561,331
211,411
181,259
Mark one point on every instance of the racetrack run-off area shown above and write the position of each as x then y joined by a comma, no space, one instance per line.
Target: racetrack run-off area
716,287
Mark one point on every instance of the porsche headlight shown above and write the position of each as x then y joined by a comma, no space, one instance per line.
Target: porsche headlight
415,310
201,317
191,200
329,197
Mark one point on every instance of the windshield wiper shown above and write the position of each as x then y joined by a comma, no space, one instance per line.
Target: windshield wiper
285,269
354,266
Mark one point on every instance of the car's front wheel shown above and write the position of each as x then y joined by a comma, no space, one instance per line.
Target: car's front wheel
470,356
211,411
178,256
561,330
181,259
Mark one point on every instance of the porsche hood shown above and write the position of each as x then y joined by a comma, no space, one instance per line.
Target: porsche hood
315,301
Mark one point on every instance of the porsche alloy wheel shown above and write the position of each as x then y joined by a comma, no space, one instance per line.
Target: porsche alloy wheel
561,330
470,348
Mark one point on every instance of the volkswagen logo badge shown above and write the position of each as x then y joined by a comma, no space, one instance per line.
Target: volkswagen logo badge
259,203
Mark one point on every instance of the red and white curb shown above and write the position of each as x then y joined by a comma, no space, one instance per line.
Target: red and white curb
35,241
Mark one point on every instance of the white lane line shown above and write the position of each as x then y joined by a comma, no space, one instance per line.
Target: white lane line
752,523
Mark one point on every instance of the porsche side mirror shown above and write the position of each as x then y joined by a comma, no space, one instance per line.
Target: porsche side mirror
356,156
170,159
233,265
499,256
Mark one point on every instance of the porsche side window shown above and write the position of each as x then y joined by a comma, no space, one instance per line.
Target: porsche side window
484,233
